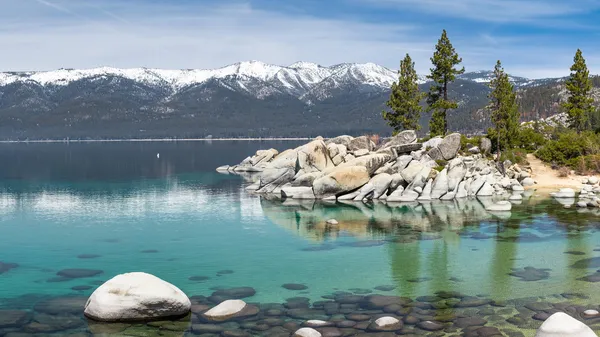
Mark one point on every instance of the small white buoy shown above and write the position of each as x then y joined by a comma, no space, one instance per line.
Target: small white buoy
158,155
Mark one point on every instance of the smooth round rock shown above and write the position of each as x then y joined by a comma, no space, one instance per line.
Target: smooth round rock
294,286
591,312
386,323
134,297
563,325
430,326
306,332
79,273
225,310
316,323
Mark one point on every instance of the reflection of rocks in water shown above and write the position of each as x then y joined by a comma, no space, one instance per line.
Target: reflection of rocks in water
593,262
198,278
308,218
419,279
531,274
149,251
362,244
318,248
225,272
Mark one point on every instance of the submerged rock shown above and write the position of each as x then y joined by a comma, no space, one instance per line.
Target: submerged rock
531,274
306,332
5,267
136,296
78,273
230,309
563,325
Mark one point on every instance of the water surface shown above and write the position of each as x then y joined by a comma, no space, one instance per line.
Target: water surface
119,207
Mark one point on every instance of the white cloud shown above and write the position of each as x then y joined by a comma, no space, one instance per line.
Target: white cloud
55,34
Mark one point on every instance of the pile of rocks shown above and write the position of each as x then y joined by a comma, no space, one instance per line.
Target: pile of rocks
587,194
399,170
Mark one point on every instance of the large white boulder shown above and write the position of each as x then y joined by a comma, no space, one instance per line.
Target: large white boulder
440,185
411,171
565,193
136,297
314,157
341,181
449,146
380,183
563,325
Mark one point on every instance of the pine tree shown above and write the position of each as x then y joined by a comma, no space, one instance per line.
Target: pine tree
404,99
579,106
504,108
443,73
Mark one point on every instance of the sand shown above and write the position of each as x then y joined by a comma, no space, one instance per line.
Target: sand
548,179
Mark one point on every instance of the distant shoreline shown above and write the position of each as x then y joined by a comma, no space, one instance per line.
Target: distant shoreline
149,140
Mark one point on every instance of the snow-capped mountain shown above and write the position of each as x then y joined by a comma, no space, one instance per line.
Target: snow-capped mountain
244,99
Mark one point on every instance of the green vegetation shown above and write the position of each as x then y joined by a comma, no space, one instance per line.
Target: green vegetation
405,99
504,110
444,61
579,106
576,146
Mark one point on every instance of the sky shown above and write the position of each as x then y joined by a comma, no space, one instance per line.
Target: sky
532,38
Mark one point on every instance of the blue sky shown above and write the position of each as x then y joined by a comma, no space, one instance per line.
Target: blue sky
533,38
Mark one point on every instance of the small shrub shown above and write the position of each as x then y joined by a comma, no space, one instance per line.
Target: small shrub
441,162
516,156
440,168
563,172
375,138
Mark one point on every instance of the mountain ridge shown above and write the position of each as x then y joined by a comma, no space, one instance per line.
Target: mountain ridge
245,99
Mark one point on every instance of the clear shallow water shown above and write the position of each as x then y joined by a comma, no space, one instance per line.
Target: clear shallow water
176,218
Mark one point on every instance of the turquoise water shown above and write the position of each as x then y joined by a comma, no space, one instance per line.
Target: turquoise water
176,218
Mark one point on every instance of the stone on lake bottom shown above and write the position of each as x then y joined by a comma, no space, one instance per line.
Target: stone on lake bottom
563,325
134,297
225,310
78,273
294,286
306,332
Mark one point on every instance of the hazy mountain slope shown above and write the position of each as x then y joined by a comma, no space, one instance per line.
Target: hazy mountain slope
246,99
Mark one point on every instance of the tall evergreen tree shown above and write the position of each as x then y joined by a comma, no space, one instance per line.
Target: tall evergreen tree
579,106
404,99
504,108
444,71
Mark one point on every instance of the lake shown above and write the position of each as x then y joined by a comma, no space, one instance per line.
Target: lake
74,215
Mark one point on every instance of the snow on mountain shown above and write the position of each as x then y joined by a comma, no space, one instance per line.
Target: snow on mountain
304,80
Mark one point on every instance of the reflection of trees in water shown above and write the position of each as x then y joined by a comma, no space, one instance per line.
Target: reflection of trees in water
424,239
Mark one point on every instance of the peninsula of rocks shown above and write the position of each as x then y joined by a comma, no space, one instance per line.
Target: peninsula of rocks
400,169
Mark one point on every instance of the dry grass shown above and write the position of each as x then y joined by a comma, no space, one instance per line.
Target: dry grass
375,138
564,172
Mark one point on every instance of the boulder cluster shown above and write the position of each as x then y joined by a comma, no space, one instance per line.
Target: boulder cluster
588,197
399,170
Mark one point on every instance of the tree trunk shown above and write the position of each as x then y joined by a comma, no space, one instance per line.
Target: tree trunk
445,101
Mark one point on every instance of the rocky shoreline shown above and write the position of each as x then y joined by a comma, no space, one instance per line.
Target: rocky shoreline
138,304
400,169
